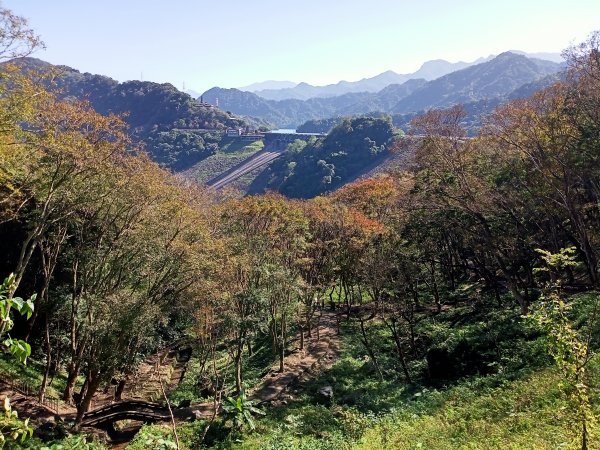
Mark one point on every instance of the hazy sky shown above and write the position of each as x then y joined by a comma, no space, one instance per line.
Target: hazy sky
234,43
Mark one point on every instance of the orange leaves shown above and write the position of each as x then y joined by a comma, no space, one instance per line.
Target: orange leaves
270,215
365,224
374,197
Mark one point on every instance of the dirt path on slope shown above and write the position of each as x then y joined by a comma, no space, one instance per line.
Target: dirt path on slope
320,353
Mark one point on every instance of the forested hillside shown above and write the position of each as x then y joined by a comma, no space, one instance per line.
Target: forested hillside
452,305
159,115
308,169
496,78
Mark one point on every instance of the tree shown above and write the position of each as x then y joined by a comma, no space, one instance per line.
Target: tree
16,39
268,237
10,425
570,347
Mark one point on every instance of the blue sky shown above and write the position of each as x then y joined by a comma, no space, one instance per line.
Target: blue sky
234,43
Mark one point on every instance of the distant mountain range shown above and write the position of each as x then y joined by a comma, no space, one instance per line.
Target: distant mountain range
430,70
167,120
268,85
495,78
304,91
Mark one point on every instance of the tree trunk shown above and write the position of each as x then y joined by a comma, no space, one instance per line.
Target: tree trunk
523,303
367,345
73,372
319,326
27,249
238,368
401,357
44,384
436,292
119,390
92,382
84,388
273,334
282,344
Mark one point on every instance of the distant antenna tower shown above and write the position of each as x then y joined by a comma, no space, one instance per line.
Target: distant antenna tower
183,87
141,76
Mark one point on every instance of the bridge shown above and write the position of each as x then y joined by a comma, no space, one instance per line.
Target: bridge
129,409
275,145
142,411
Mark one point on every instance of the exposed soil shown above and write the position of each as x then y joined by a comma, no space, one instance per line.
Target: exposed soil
320,353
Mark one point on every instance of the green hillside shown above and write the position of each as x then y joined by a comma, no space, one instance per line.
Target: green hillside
162,118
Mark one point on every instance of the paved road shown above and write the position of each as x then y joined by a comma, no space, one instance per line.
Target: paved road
248,165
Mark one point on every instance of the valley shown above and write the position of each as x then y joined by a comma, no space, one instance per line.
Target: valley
407,261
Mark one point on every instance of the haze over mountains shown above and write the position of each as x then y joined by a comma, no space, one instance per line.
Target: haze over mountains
267,85
303,91
495,78
430,70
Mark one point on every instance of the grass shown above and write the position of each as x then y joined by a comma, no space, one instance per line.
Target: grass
31,374
253,369
481,413
485,413
231,153
510,398
236,146
490,412
517,404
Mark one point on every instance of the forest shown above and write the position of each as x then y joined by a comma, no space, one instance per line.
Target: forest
159,115
312,168
451,305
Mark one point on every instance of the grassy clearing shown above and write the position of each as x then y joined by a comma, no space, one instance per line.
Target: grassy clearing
231,146
491,412
482,413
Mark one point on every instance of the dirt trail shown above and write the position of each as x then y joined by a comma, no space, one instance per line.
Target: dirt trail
320,352
167,366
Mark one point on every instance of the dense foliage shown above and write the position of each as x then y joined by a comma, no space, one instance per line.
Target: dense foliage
177,130
308,169
464,268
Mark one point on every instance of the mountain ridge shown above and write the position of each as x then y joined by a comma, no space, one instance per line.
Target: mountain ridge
497,77
429,70
158,114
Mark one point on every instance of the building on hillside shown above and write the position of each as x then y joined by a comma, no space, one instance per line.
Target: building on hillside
204,104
